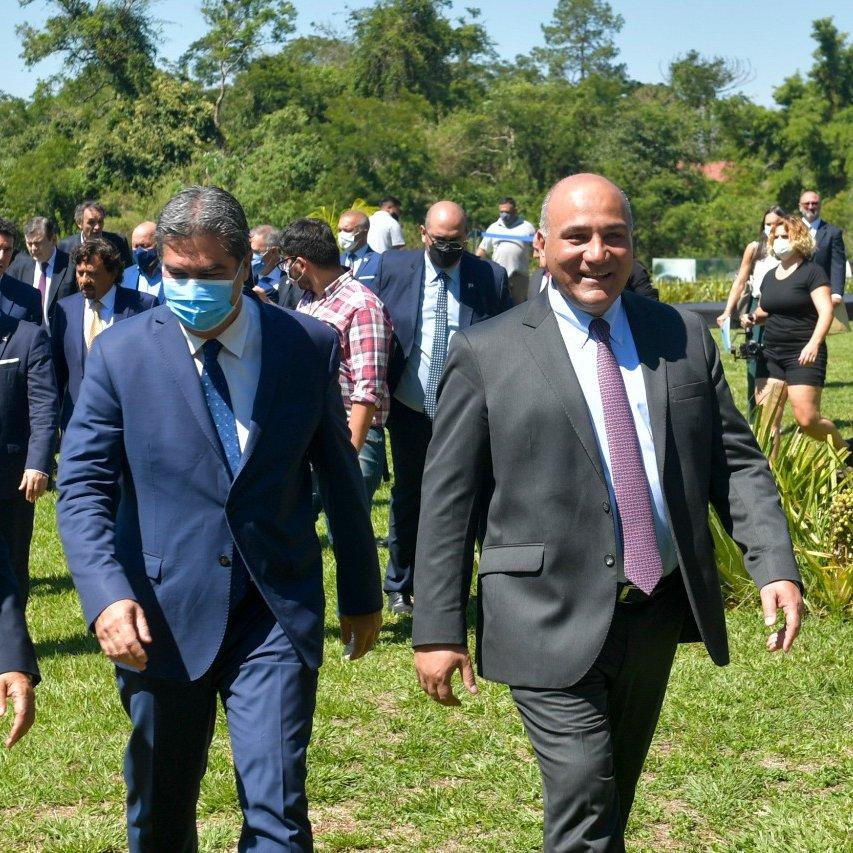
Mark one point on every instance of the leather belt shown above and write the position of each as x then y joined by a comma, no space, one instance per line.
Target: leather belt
628,593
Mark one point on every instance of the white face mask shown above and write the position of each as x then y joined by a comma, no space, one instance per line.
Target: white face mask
767,230
782,247
347,240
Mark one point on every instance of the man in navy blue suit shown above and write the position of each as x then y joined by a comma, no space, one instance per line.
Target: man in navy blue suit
43,265
829,253
17,299
28,415
80,318
356,254
202,574
89,217
429,295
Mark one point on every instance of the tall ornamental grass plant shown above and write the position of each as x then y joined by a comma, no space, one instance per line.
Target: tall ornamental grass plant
816,488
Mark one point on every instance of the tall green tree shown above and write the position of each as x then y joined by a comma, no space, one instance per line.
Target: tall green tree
580,40
410,46
239,30
109,42
833,68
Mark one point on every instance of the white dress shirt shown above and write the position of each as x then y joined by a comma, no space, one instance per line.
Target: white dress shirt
48,274
240,360
413,381
574,328
107,312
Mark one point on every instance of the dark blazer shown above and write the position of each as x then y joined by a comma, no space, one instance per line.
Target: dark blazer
20,300
28,402
368,268
167,537
288,294
63,282
549,565
399,283
16,649
830,254
68,244
67,342
535,284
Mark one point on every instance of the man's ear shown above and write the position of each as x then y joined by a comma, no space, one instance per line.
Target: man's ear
423,234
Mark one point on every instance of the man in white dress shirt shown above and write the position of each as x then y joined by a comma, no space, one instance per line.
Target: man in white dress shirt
385,230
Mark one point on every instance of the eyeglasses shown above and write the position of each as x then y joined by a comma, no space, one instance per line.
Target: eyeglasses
811,204
445,245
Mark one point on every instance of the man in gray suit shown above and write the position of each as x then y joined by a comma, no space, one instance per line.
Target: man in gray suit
597,558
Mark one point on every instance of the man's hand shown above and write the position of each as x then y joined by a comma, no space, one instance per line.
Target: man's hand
787,596
15,687
359,633
33,485
121,630
435,666
836,298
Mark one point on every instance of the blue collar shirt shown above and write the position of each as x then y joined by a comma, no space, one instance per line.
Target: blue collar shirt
413,382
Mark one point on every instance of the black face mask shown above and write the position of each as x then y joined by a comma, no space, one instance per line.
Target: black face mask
443,257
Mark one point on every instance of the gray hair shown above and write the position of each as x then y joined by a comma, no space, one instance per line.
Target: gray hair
265,231
205,210
543,214
85,205
40,225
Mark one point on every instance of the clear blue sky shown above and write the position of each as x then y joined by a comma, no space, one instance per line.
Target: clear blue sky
772,37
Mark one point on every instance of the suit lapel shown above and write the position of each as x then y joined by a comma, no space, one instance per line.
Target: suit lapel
7,329
549,351
467,293
274,357
122,306
60,264
75,321
178,363
418,276
653,366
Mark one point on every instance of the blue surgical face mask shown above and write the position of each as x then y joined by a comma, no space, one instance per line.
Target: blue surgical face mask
257,263
145,259
199,304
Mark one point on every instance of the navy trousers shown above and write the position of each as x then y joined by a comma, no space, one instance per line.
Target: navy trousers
268,694
16,527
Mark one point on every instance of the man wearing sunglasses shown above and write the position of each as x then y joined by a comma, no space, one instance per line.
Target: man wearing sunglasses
430,294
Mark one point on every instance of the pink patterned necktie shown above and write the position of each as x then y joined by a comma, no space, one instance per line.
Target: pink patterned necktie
633,496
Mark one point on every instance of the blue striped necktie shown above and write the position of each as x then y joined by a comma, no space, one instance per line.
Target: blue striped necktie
439,348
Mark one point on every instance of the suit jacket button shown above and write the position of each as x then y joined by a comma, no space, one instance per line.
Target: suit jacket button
224,561
605,505
609,561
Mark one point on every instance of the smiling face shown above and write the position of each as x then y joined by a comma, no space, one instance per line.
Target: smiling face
587,247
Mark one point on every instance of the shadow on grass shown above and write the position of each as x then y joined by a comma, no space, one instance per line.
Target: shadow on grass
398,629
51,585
836,383
76,644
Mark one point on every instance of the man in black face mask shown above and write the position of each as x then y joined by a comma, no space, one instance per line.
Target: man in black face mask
429,295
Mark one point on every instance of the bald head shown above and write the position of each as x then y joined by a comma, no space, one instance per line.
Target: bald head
583,186
143,236
446,217
353,226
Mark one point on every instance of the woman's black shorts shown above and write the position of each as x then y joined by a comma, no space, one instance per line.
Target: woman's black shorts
781,363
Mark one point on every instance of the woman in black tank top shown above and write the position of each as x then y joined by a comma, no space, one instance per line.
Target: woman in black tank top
796,309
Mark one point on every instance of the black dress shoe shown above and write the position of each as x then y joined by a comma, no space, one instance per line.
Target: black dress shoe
400,602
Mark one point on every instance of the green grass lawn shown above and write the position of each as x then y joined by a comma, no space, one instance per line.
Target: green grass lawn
753,757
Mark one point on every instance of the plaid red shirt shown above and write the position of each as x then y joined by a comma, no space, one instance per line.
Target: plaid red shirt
364,327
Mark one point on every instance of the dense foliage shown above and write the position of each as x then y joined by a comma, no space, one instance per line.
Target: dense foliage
414,103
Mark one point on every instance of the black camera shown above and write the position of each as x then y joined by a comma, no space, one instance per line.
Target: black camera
750,349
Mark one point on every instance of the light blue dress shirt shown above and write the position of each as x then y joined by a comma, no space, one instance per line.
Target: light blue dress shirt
574,328
410,390
152,284
358,258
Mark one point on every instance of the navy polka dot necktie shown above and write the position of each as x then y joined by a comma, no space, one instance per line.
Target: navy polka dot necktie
218,399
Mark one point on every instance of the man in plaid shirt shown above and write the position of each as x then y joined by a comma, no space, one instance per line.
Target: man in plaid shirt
311,258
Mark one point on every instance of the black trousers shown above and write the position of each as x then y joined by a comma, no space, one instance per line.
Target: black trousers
16,530
410,433
592,738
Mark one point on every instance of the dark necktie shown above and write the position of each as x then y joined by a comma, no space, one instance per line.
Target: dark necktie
352,260
218,399
439,348
633,495
43,282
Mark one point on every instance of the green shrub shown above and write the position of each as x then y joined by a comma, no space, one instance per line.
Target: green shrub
703,290
816,489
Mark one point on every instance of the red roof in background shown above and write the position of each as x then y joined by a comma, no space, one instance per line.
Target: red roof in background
715,171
